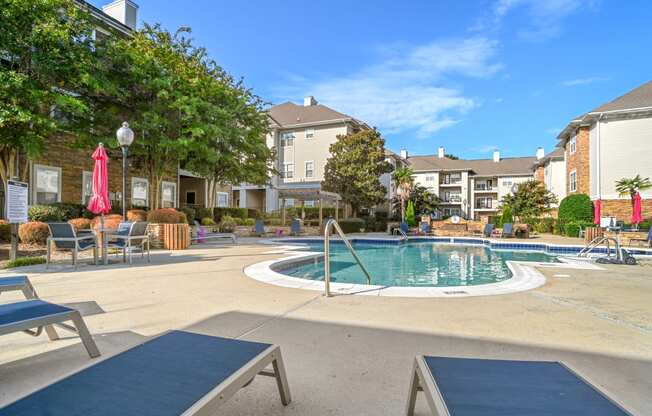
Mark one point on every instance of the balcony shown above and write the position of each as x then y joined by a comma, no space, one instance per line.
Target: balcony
485,204
451,199
483,187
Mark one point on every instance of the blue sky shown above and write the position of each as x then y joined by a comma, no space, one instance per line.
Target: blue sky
467,75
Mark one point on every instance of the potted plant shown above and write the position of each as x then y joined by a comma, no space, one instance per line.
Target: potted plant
169,229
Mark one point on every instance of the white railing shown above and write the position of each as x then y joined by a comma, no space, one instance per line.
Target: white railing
330,224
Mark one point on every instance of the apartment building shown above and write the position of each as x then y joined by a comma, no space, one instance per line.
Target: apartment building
470,188
301,135
551,171
611,142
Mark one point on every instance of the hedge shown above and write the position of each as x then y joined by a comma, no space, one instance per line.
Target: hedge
191,214
352,225
135,215
218,213
5,231
572,228
576,207
166,216
46,213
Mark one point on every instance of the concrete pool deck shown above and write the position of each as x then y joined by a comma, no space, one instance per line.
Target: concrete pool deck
346,355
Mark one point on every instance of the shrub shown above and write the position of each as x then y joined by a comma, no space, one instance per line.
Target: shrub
572,228
409,214
375,224
166,216
227,224
218,213
71,211
352,225
506,216
46,213
5,231
80,223
190,214
201,213
34,232
24,261
110,221
208,221
545,225
253,213
136,215
249,222
576,207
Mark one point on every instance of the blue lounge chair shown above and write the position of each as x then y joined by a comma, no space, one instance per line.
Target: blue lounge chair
424,227
474,387
488,229
176,373
295,227
63,235
32,315
404,227
204,234
22,283
647,240
507,231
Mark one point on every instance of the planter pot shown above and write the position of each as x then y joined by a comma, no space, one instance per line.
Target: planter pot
170,236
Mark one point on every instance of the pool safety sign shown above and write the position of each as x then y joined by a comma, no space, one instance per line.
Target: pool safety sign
17,202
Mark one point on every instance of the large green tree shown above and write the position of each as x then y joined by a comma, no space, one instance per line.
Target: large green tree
46,71
530,200
357,161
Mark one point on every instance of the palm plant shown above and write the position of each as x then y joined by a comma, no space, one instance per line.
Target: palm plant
632,186
404,183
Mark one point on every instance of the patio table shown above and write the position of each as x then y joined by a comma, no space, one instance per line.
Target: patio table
103,238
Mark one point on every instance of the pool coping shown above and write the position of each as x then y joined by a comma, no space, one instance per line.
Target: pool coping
525,275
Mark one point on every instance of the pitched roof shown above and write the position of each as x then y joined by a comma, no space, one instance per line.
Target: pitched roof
558,153
482,167
288,114
639,97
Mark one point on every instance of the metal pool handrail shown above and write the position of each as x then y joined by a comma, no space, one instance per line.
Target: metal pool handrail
330,224
399,231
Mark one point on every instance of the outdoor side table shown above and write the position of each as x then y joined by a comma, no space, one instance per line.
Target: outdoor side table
103,237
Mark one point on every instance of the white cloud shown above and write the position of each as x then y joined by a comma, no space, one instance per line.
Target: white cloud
544,17
409,89
583,81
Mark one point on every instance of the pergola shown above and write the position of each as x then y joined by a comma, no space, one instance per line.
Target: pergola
309,194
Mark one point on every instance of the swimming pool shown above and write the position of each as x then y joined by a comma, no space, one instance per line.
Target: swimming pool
412,264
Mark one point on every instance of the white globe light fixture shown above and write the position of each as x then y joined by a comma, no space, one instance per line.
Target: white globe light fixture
125,137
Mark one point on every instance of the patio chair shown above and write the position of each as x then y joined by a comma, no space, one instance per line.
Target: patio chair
295,227
259,228
131,235
65,237
403,226
173,374
424,227
33,315
466,386
647,240
204,234
506,231
488,229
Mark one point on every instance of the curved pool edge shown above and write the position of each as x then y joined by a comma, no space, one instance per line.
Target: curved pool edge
525,277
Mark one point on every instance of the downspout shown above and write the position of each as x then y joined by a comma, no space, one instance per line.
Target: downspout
597,158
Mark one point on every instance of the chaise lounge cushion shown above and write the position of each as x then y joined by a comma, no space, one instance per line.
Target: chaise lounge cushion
162,377
27,310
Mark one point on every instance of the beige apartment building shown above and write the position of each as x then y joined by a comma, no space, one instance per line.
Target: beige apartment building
611,142
301,136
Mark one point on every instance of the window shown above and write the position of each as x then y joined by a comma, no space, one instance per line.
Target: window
87,186
288,170
139,192
47,188
309,204
168,194
222,199
310,133
572,144
507,183
452,178
289,202
310,169
572,181
483,203
430,178
191,197
287,139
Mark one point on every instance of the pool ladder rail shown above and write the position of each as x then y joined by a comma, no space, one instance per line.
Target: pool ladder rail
330,225
596,242
397,231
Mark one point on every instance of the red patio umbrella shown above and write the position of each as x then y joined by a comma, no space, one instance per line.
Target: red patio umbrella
99,202
636,211
597,211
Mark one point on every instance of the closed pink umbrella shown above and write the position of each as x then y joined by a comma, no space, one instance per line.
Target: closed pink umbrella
597,211
99,202
636,211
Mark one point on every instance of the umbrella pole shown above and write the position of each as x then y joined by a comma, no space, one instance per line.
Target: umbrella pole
105,256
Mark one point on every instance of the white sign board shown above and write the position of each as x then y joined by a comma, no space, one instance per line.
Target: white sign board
17,201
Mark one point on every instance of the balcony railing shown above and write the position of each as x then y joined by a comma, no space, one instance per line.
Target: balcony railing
450,181
484,204
451,199
483,187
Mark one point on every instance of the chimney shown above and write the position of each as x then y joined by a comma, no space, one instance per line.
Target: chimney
404,154
440,152
124,11
309,101
540,153
496,156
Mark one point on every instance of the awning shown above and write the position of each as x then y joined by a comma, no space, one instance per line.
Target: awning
308,194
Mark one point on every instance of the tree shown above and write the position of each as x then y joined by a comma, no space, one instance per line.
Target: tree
576,208
530,200
506,216
632,186
410,218
357,161
451,156
425,202
46,66
404,183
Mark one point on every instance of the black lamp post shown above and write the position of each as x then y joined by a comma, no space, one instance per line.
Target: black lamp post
125,137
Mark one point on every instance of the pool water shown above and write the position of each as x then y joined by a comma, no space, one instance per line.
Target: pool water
414,264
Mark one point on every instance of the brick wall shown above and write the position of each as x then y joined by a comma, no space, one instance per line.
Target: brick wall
579,161
622,209
539,174
73,162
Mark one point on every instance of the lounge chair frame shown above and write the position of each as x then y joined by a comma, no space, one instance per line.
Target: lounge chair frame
142,240
75,250
422,380
212,235
79,327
